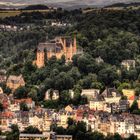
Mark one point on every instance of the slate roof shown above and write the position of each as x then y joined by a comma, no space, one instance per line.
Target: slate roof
108,93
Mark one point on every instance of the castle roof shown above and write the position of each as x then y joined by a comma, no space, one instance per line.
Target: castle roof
54,47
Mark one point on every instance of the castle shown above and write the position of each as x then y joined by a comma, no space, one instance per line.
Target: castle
58,47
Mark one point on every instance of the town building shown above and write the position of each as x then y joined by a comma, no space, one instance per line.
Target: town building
128,64
2,78
129,93
52,94
98,103
44,136
14,82
4,100
90,93
29,102
99,60
111,95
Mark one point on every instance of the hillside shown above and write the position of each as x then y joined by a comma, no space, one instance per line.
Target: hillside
63,3
107,38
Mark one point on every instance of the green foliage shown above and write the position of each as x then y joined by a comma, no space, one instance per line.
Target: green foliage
134,108
20,93
1,107
132,137
31,130
24,107
50,104
108,75
36,7
6,89
14,134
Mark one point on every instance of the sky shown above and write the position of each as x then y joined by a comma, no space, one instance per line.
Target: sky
65,2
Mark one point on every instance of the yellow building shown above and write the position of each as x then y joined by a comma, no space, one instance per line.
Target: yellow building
96,105
14,82
63,120
68,108
105,128
129,93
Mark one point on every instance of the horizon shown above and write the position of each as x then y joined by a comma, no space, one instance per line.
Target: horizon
63,3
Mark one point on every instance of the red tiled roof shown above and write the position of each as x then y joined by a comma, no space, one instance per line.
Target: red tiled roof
7,114
132,98
27,101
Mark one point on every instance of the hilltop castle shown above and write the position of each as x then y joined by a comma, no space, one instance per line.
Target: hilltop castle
66,46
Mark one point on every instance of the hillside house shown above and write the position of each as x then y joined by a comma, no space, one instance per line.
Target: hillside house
14,82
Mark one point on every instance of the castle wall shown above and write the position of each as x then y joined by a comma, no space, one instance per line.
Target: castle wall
68,51
40,59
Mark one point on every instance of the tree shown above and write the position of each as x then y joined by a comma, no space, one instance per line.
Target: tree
33,94
6,89
81,126
117,137
108,75
24,107
80,135
132,137
31,130
14,134
124,98
63,81
20,93
70,122
65,98
137,91
53,104
134,107
60,131
1,107
94,136
83,62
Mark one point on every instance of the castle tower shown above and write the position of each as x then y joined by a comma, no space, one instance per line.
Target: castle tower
65,47
71,52
74,45
40,59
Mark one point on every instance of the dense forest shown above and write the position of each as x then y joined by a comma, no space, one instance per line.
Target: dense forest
111,34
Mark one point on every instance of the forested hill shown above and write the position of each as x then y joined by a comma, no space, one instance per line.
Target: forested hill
114,35
36,7
124,5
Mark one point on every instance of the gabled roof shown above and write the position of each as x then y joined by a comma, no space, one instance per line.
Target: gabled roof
15,79
108,93
98,97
